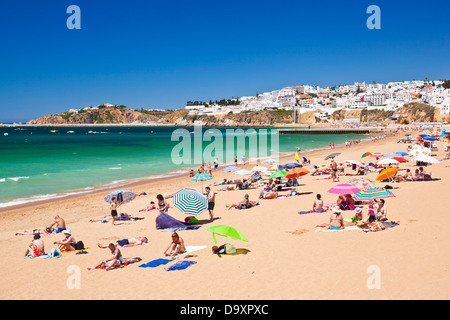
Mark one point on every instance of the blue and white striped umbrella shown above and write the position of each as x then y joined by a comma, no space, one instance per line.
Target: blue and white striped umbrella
122,196
230,168
190,201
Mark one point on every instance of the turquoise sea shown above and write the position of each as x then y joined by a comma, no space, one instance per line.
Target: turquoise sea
37,164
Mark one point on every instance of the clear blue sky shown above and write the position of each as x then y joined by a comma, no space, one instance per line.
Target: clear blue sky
164,53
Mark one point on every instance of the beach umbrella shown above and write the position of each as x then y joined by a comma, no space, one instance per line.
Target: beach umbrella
344,188
296,172
362,183
425,158
400,159
386,174
190,201
387,161
292,165
259,168
390,155
201,177
278,174
331,156
373,193
366,154
226,231
375,154
230,168
276,167
122,196
402,153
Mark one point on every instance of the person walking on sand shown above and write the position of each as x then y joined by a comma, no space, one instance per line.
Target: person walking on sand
113,208
60,224
176,246
211,202
333,170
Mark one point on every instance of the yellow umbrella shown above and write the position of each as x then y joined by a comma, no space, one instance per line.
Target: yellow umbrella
386,174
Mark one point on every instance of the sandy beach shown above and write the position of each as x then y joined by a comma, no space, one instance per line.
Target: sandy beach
285,257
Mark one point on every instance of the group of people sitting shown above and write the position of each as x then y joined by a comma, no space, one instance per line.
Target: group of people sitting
419,175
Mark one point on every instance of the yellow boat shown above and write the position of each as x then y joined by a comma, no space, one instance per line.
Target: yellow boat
53,131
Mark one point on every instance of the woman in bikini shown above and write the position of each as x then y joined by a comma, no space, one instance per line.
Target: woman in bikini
36,247
176,246
162,203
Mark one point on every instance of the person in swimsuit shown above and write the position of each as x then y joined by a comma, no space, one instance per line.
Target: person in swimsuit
113,208
60,224
211,202
268,195
243,204
126,242
36,247
68,243
162,203
45,231
176,246
336,219
318,204
115,261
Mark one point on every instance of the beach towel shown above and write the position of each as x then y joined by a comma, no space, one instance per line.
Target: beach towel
156,263
154,209
190,249
125,263
181,265
349,228
181,228
164,221
312,211
53,254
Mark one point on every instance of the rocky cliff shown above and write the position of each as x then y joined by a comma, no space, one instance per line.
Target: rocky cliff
420,112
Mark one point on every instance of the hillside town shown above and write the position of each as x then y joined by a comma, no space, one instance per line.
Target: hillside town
325,101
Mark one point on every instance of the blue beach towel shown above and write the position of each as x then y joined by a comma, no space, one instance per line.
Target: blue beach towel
181,228
180,265
155,263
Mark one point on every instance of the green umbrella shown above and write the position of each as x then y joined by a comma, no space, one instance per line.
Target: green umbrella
190,201
278,174
226,231
330,156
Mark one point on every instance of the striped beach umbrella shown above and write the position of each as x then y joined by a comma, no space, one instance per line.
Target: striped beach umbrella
230,168
373,193
362,183
190,201
344,188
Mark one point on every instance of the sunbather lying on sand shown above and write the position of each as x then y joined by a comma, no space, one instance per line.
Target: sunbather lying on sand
45,231
243,204
123,216
268,195
125,242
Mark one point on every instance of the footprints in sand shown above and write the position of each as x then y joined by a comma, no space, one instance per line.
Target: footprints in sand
298,232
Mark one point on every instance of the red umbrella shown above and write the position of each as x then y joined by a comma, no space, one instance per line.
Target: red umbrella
401,160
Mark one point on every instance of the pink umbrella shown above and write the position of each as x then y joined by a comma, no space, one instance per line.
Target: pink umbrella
344,189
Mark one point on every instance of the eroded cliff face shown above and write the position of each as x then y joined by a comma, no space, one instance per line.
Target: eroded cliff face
97,116
420,112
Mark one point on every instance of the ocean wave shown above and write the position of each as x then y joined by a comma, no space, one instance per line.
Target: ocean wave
115,168
17,178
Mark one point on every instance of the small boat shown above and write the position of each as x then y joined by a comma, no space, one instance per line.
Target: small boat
53,131
70,131
6,133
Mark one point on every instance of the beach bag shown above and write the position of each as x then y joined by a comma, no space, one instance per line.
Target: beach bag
229,248
79,245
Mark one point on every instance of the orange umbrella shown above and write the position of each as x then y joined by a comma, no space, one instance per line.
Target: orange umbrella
296,172
386,174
